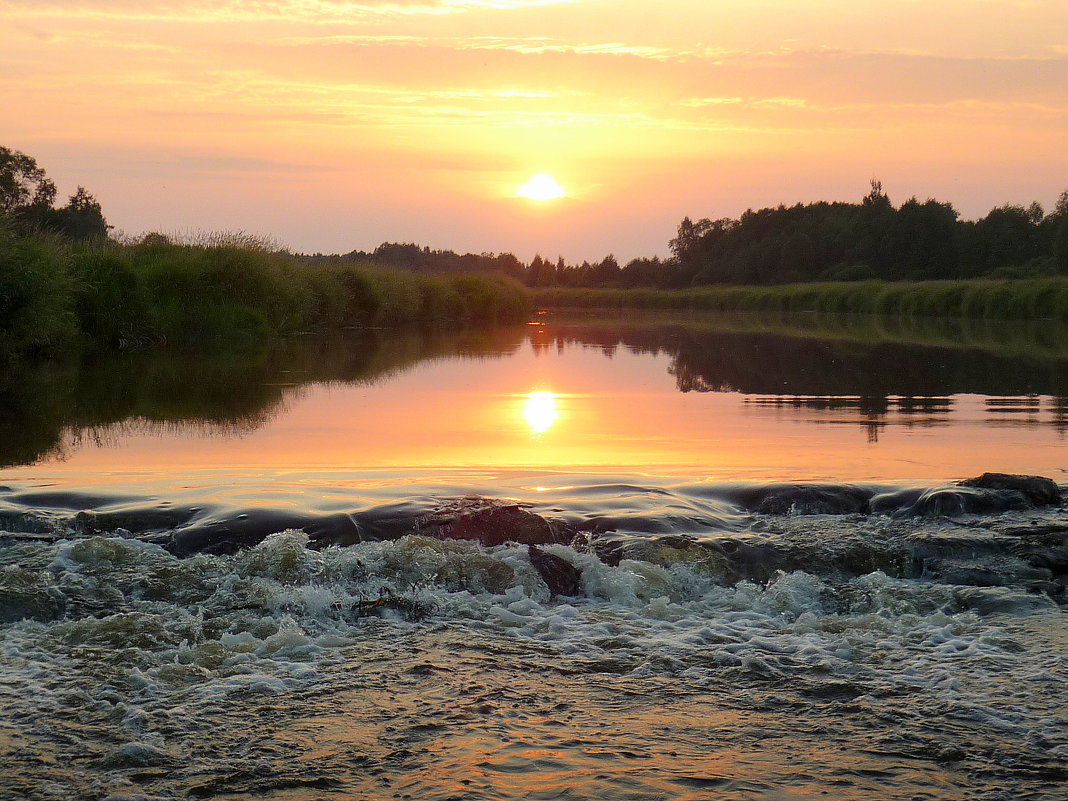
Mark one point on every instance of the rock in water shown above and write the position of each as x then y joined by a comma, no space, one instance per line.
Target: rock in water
805,499
963,500
492,522
562,577
1038,490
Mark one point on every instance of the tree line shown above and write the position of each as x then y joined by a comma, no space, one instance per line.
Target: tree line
870,240
410,256
807,242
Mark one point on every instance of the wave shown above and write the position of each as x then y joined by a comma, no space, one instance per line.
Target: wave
994,530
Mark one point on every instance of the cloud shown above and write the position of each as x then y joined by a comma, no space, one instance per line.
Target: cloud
237,10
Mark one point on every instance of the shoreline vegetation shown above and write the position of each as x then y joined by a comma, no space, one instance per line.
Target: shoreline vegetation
66,283
1009,299
56,295
1004,338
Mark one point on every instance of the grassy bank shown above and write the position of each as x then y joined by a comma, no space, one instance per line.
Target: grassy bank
1020,299
1008,338
56,295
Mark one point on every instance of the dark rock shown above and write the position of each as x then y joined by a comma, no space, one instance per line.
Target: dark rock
895,501
137,520
610,551
230,534
484,520
493,522
1037,490
26,596
1054,532
953,501
805,499
136,755
1000,600
562,577
749,558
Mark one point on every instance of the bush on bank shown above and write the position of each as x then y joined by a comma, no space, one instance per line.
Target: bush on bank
56,293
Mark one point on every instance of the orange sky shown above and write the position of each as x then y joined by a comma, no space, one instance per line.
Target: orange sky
338,124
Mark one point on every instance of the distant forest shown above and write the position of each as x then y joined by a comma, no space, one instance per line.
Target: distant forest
870,240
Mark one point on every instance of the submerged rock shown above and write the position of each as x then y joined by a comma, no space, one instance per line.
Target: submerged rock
483,520
953,501
561,576
1039,491
493,522
990,493
231,534
26,595
136,755
91,522
805,499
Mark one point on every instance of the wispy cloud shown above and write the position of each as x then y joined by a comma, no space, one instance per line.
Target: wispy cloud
236,10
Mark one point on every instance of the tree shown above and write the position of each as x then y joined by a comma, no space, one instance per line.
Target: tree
1007,236
1060,246
607,272
643,272
27,196
926,241
541,272
687,237
26,193
876,198
23,183
1061,209
81,218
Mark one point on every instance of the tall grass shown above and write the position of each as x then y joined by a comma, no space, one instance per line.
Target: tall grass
1019,299
55,294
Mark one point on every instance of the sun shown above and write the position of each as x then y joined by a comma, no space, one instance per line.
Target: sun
541,187
540,412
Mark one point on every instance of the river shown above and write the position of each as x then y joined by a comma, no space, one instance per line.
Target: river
318,570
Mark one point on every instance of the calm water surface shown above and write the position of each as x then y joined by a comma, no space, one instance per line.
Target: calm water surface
675,399
166,632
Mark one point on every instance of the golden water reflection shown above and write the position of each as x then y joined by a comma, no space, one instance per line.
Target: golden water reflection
679,401
540,412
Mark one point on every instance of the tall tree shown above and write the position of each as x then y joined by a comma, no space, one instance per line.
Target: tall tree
26,193
81,218
1060,246
22,182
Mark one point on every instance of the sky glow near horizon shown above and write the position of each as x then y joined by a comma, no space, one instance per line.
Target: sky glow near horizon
335,125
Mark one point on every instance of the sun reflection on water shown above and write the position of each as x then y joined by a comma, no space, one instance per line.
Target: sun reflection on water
540,412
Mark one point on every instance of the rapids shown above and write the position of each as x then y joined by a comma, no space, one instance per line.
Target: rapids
721,645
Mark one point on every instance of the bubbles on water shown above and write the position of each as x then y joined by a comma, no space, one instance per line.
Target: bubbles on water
144,644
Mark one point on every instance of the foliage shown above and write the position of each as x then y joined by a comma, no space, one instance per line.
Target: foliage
56,293
27,196
23,184
1019,299
815,242
412,257
36,297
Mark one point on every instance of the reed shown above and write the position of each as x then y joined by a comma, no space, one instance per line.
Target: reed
1017,299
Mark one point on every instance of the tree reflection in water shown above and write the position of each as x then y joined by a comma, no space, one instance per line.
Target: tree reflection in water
870,371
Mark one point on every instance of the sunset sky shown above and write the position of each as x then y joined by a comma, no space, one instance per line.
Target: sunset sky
335,125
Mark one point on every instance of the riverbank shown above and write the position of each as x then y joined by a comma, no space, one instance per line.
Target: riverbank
57,295
1023,338
1017,299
